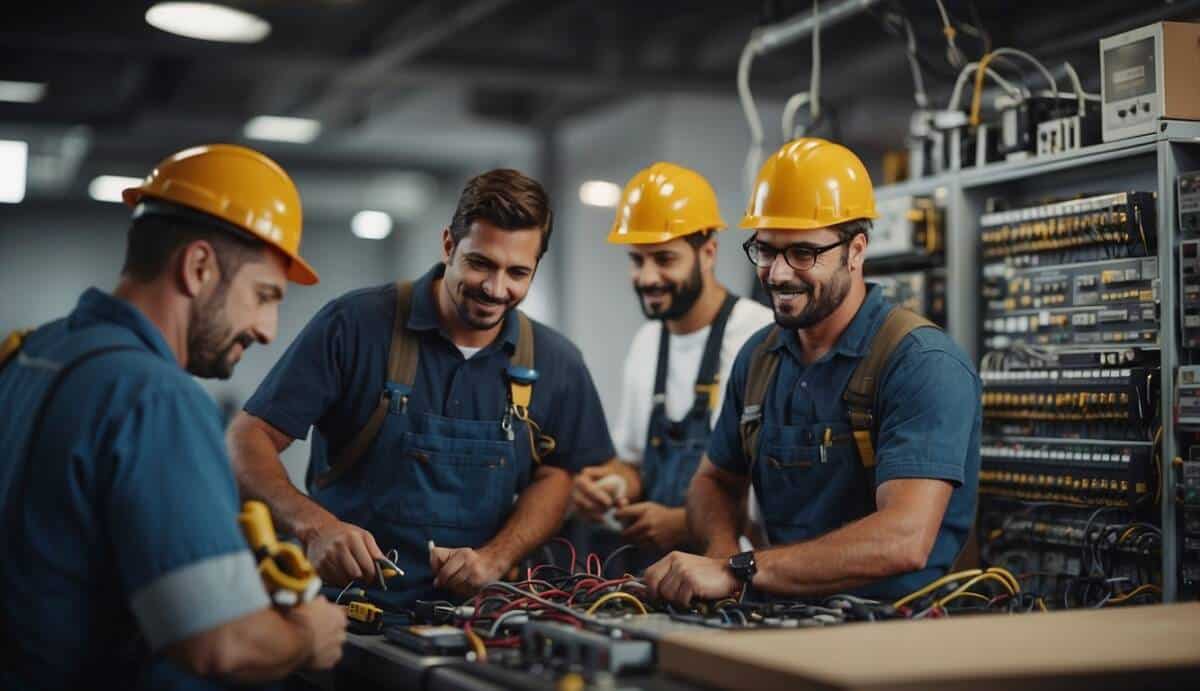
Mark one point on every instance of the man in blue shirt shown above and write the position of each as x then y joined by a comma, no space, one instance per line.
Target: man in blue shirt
440,460
123,562
878,514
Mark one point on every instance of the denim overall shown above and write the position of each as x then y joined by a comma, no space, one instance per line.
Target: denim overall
428,477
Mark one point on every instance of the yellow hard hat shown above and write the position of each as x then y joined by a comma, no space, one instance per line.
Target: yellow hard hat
239,186
664,202
810,184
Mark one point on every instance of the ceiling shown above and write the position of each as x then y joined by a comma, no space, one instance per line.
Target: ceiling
441,85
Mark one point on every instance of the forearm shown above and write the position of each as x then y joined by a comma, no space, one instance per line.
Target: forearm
260,475
259,647
535,519
875,547
712,516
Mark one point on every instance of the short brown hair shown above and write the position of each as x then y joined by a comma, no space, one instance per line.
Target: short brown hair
158,229
506,198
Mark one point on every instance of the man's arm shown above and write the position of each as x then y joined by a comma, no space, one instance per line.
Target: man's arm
340,551
265,645
536,517
895,539
715,507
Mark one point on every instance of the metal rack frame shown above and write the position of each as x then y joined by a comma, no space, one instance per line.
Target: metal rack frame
1174,149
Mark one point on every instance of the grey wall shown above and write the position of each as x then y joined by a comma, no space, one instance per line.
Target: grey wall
708,135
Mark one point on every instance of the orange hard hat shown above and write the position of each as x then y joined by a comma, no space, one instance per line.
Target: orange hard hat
239,186
664,202
810,184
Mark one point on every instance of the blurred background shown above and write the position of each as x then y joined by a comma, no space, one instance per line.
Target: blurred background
382,109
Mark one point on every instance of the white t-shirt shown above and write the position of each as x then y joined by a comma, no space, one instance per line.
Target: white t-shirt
467,352
686,351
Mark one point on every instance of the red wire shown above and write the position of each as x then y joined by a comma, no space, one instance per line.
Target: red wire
599,565
609,584
570,546
510,642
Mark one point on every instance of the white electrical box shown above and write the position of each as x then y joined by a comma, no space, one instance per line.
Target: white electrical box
1148,74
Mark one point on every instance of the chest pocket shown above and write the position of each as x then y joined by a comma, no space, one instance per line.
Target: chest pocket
450,482
804,475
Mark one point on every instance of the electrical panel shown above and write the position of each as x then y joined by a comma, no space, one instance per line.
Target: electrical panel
1070,325
923,292
906,255
907,226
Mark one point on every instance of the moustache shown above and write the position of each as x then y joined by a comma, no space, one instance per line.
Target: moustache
654,290
245,340
789,287
480,296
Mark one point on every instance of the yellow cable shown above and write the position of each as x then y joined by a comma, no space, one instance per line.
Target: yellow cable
477,644
977,97
977,596
1041,605
966,586
935,585
1007,575
1125,535
616,596
1134,593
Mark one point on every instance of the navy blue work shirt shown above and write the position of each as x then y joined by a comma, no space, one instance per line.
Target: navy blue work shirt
929,416
120,533
332,375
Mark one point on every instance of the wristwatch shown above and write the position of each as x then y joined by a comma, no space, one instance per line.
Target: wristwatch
743,566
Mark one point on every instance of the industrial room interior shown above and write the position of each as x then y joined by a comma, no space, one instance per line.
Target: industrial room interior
1029,178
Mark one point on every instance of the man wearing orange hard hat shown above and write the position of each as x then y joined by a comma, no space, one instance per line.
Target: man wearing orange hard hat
122,552
856,422
674,374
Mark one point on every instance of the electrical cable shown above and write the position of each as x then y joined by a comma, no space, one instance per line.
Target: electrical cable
611,556
617,596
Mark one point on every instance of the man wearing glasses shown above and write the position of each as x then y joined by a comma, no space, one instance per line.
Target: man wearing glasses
856,423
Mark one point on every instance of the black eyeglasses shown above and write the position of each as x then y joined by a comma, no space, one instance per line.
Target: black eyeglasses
799,257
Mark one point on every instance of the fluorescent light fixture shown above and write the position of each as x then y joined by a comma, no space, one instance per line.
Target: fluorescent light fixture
599,193
108,188
14,157
371,225
280,129
22,92
207,22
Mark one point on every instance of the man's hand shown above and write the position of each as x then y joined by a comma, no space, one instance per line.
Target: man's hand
679,577
342,552
592,497
464,571
325,623
655,524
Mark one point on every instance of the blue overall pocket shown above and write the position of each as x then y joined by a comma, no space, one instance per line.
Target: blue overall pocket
453,483
800,475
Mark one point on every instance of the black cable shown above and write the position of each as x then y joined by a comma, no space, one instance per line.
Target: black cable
611,556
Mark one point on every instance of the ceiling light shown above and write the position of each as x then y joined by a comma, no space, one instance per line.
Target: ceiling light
281,129
108,188
371,225
22,92
207,22
13,159
599,193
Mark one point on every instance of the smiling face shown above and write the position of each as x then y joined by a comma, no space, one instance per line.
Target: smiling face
239,311
802,299
668,277
489,271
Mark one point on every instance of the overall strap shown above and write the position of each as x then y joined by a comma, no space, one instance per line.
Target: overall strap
763,364
707,384
861,392
403,356
660,370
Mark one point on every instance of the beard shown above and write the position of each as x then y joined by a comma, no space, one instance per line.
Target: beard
211,339
683,296
476,322
822,299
